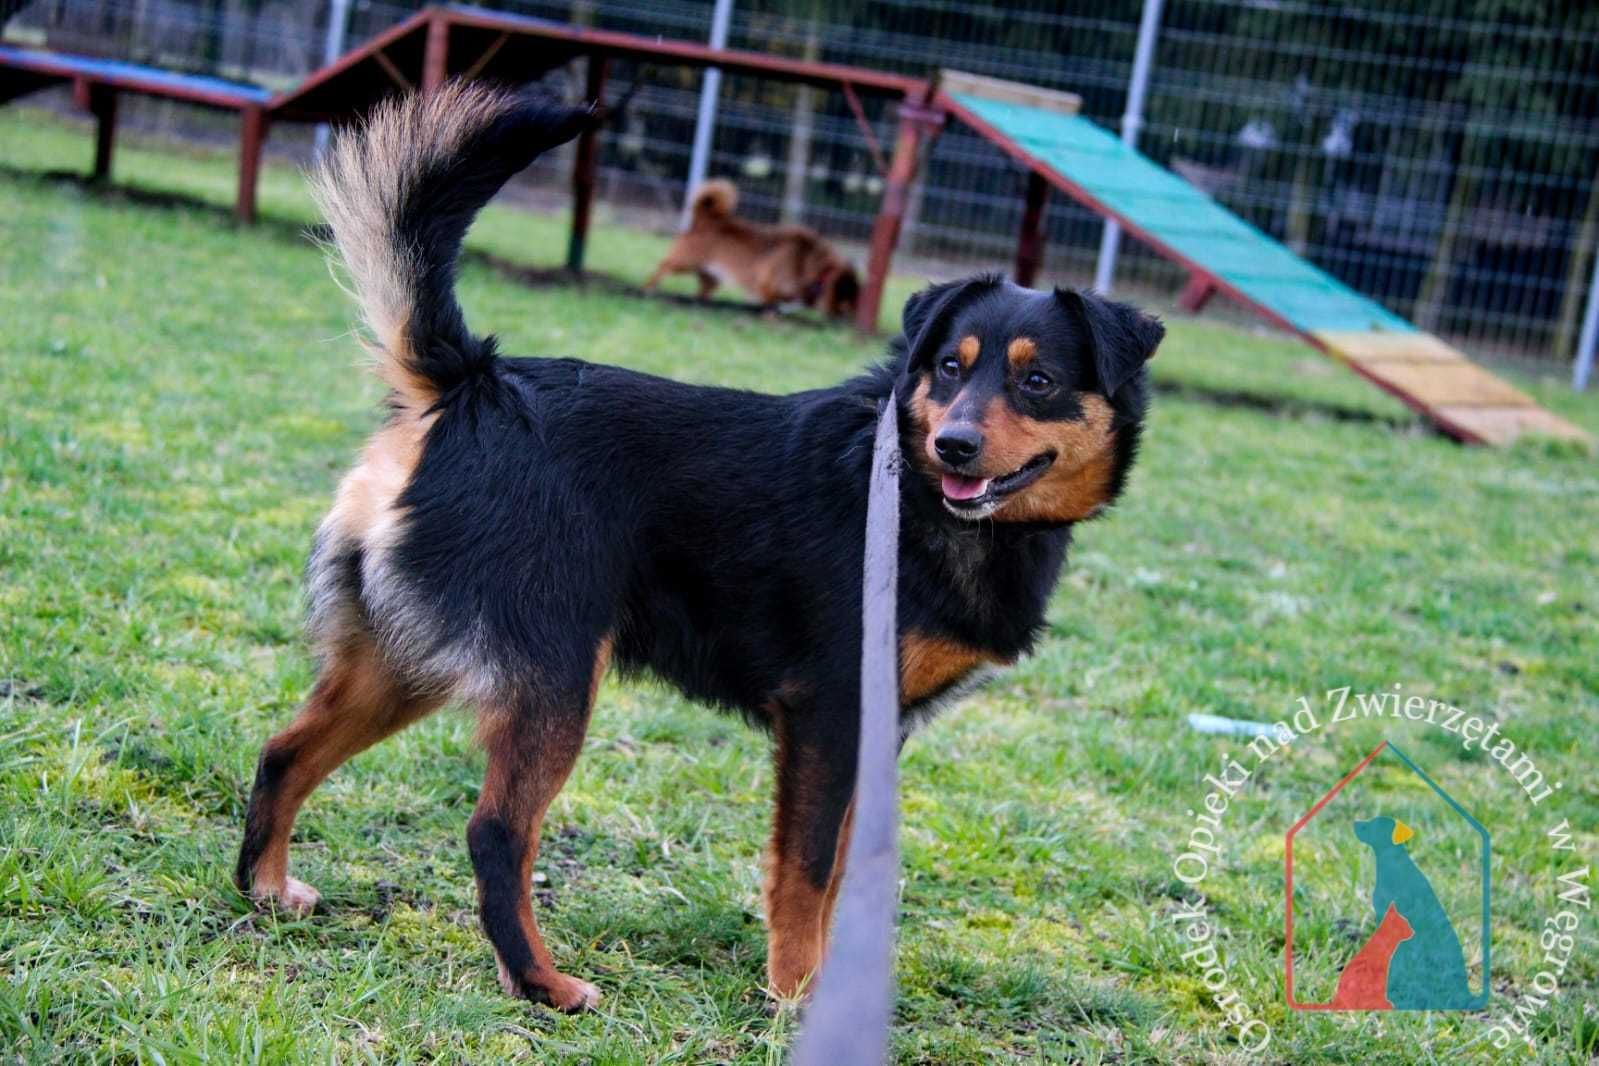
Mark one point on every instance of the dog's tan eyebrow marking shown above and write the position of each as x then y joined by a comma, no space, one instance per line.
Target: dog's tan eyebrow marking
1021,352
968,350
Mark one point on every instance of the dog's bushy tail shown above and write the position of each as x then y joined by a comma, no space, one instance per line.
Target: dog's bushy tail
715,197
399,193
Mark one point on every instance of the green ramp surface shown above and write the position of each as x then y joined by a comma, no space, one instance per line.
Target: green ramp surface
1163,206
1094,167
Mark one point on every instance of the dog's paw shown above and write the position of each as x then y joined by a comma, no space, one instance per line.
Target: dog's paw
296,897
571,995
551,989
789,988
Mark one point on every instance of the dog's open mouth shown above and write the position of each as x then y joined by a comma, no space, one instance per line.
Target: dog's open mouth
965,495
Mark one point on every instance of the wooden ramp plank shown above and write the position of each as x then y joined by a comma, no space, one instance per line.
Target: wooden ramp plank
1015,92
1501,425
1368,346
1464,399
1459,384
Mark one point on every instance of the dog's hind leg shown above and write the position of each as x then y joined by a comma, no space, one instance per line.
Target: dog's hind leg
357,702
677,260
815,766
708,284
532,745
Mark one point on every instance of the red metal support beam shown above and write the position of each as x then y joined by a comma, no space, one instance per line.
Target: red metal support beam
867,132
1030,241
1197,293
436,53
916,121
103,105
483,60
252,135
585,167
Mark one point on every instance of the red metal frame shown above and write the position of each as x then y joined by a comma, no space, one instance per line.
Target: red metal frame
689,53
253,123
101,102
1030,241
98,92
585,167
622,45
916,121
57,66
284,100
436,54
1196,294
603,45
872,145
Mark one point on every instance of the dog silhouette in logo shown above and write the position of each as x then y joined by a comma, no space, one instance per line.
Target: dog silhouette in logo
1427,971
1364,983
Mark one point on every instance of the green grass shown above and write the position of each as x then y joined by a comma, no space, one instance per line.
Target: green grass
179,398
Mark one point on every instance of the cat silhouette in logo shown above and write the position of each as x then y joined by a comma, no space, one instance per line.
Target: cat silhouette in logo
1364,983
1428,970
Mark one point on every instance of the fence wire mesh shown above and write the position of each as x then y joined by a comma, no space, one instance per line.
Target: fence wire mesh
1441,156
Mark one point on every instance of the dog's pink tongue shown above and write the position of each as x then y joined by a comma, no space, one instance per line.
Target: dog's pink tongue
964,488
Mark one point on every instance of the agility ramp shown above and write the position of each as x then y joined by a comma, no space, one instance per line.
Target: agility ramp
1223,253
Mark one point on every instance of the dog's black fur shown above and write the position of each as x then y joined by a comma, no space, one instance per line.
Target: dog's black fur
560,509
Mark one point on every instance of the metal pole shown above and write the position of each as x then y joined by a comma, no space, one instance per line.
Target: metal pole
1137,89
699,159
332,48
1589,336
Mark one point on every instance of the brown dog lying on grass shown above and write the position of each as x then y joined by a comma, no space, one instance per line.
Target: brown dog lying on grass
775,264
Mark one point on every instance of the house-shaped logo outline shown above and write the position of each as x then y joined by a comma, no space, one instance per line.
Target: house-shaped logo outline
1481,999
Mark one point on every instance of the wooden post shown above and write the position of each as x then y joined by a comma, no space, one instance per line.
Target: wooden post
583,169
103,105
914,120
1030,242
252,135
436,53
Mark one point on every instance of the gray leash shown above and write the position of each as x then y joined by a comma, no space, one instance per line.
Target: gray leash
847,1022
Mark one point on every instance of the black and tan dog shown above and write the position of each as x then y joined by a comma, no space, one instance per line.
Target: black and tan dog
518,525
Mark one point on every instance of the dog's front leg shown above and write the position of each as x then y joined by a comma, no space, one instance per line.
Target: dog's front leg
815,772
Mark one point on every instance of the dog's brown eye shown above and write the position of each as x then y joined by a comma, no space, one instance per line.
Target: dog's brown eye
949,367
1037,382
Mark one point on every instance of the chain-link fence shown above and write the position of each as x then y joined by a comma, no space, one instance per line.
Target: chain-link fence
1442,161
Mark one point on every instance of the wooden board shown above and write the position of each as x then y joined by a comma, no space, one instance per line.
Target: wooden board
1465,400
1010,92
1373,346
1502,425
1458,384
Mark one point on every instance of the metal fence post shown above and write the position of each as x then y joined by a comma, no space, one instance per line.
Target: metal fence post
1589,336
699,160
332,48
1132,119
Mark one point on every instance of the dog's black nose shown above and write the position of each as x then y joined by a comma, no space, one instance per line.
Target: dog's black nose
959,444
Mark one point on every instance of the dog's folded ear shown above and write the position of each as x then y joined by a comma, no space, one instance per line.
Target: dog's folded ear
1123,337
927,314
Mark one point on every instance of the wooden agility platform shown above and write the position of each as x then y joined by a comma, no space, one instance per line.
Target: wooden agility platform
1464,399
1225,254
